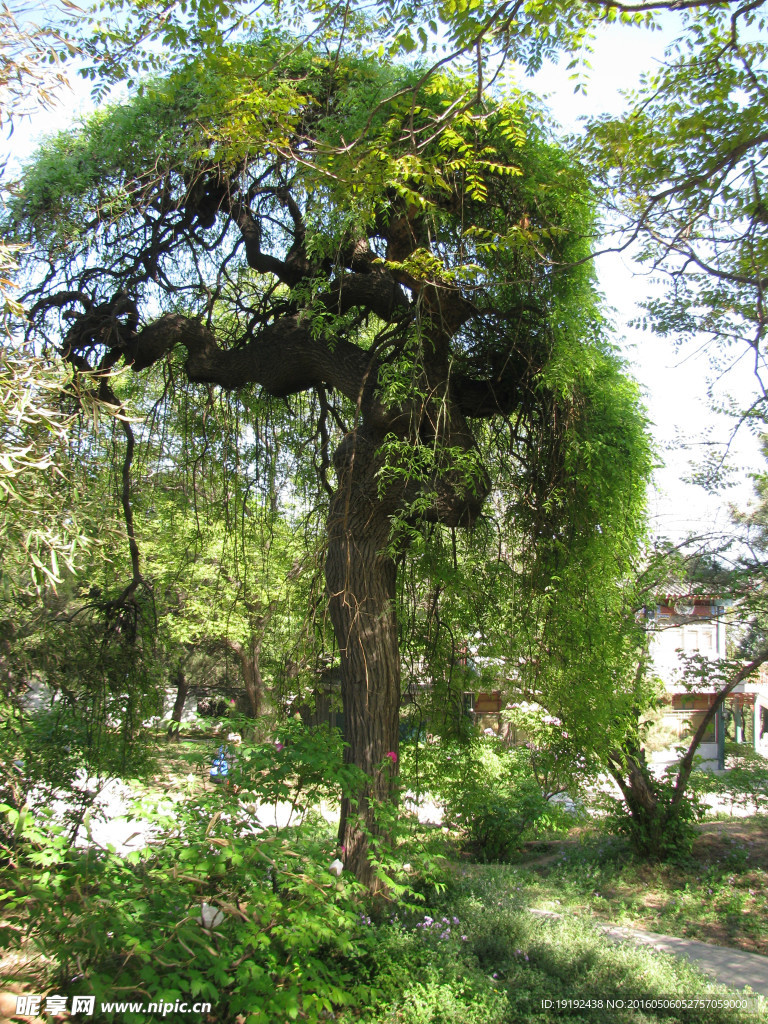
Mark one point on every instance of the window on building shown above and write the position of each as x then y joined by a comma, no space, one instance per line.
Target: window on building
692,722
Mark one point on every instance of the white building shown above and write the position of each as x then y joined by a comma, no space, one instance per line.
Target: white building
689,632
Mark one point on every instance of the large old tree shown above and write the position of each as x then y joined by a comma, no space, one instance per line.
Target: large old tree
406,251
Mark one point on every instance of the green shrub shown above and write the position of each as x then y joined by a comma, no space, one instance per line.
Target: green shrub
490,793
666,830
282,927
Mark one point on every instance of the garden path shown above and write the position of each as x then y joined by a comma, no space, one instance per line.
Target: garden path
732,967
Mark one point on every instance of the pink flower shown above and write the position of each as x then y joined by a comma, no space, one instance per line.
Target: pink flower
392,756
278,745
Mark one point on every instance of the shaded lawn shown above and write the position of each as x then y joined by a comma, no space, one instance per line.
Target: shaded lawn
487,960
720,896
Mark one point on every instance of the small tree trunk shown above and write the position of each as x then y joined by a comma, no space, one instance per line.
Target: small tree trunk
686,765
647,815
254,688
360,577
251,670
182,689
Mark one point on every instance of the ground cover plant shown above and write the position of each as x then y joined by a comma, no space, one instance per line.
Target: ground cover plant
261,922
480,955
719,895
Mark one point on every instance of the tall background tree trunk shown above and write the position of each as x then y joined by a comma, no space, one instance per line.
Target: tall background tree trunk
360,577
182,689
252,678
248,655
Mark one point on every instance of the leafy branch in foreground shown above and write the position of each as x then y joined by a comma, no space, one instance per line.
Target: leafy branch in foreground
684,172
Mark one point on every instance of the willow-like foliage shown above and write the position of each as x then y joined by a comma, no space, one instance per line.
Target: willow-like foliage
405,266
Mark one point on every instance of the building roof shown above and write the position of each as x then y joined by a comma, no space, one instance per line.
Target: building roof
674,590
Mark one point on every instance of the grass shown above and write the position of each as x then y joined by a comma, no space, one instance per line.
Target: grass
488,960
721,896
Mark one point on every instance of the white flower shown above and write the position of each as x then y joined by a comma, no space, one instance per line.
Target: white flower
337,867
406,868
210,917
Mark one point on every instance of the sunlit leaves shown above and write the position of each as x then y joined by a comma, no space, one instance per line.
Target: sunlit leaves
31,62
39,544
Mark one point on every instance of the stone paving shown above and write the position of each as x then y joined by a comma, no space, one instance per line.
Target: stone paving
732,967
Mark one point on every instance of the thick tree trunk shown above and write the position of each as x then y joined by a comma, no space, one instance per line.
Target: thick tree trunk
360,577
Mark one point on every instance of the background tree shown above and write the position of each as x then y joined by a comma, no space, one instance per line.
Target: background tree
684,171
231,569
32,425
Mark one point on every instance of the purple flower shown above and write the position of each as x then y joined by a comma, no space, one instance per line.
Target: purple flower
278,745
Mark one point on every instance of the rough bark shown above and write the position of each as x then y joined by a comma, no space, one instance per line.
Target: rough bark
360,577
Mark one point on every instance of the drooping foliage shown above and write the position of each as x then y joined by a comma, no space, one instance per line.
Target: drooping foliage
542,596
414,259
